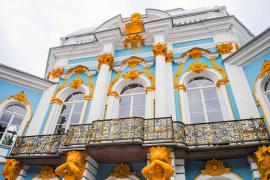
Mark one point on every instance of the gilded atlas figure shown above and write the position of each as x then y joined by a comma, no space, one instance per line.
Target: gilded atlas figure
160,167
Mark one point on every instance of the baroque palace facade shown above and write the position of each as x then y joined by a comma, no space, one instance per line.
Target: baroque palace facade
176,94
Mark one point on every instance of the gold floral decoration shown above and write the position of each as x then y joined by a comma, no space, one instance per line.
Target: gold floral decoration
46,173
74,166
176,75
56,73
78,70
225,48
131,30
75,83
197,67
169,57
215,167
105,58
112,84
122,170
160,164
54,98
262,156
222,81
195,53
11,169
159,49
133,62
265,69
152,79
132,75
181,87
20,97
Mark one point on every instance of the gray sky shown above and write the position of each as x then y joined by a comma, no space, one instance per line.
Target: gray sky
28,28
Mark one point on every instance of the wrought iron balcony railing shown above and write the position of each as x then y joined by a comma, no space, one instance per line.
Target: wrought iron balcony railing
155,130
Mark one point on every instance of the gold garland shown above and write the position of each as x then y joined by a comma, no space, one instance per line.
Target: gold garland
152,79
176,75
265,69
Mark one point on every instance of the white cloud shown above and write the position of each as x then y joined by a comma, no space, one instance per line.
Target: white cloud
30,27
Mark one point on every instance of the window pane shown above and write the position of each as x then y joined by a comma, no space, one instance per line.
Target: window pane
66,109
210,93
19,110
78,106
78,96
214,116
268,97
6,117
139,111
75,118
212,105
125,101
139,99
138,89
267,86
124,112
63,119
3,127
207,82
60,129
15,124
194,95
195,106
197,118
10,108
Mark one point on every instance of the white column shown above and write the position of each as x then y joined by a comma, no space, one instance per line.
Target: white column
161,104
91,169
101,87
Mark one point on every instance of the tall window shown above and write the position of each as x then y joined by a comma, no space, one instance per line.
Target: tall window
132,101
71,112
267,90
204,105
10,121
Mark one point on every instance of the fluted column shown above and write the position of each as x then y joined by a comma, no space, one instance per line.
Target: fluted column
105,65
161,93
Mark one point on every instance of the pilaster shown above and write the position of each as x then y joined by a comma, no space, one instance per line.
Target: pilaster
91,169
254,169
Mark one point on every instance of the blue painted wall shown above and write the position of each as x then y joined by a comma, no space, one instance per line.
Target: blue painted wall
104,170
239,166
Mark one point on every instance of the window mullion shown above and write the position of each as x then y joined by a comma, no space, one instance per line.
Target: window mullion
131,106
70,115
8,124
204,105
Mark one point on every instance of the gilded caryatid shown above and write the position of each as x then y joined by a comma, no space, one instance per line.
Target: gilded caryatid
263,161
160,167
74,166
11,169
106,58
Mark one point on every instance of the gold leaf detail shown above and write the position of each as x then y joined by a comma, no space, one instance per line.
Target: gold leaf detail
105,58
76,83
56,73
169,57
195,53
122,170
135,41
113,82
132,75
262,156
56,100
20,97
265,69
46,173
177,74
159,49
11,169
215,168
224,48
197,67
135,26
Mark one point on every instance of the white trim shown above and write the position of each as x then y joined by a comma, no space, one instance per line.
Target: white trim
221,91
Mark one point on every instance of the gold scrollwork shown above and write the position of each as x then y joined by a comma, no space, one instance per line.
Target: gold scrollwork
197,67
176,75
195,53
224,79
132,62
263,161
132,75
152,79
20,97
106,58
46,173
112,84
91,87
265,69
75,83
169,57
215,167
11,169
55,73
225,48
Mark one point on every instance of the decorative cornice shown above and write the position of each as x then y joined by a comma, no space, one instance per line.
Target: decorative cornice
224,48
12,169
159,49
197,67
215,168
105,58
46,173
265,69
21,97
132,75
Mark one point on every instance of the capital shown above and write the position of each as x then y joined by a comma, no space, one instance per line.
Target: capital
159,49
105,58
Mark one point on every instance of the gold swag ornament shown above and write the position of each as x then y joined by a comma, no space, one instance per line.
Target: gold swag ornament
132,29
74,167
160,167
263,161
11,169
215,167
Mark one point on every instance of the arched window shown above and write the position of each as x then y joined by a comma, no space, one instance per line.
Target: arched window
71,112
203,101
267,90
132,101
10,121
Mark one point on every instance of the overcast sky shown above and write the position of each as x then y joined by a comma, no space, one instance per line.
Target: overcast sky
28,28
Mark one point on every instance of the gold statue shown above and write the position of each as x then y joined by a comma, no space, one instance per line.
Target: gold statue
263,161
74,167
160,167
11,169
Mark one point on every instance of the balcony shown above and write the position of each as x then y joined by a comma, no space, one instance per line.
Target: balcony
132,136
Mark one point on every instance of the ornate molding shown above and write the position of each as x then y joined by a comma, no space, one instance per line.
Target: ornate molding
21,97
135,41
159,49
265,69
262,156
78,70
112,84
225,48
222,81
160,164
113,93
74,166
132,75
11,169
75,83
197,67
122,170
176,75
56,73
133,62
105,58
91,87
56,100
215,167
181,87
169,57
46,173
195,53
152,79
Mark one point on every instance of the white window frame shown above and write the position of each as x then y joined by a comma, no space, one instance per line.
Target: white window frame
222,93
